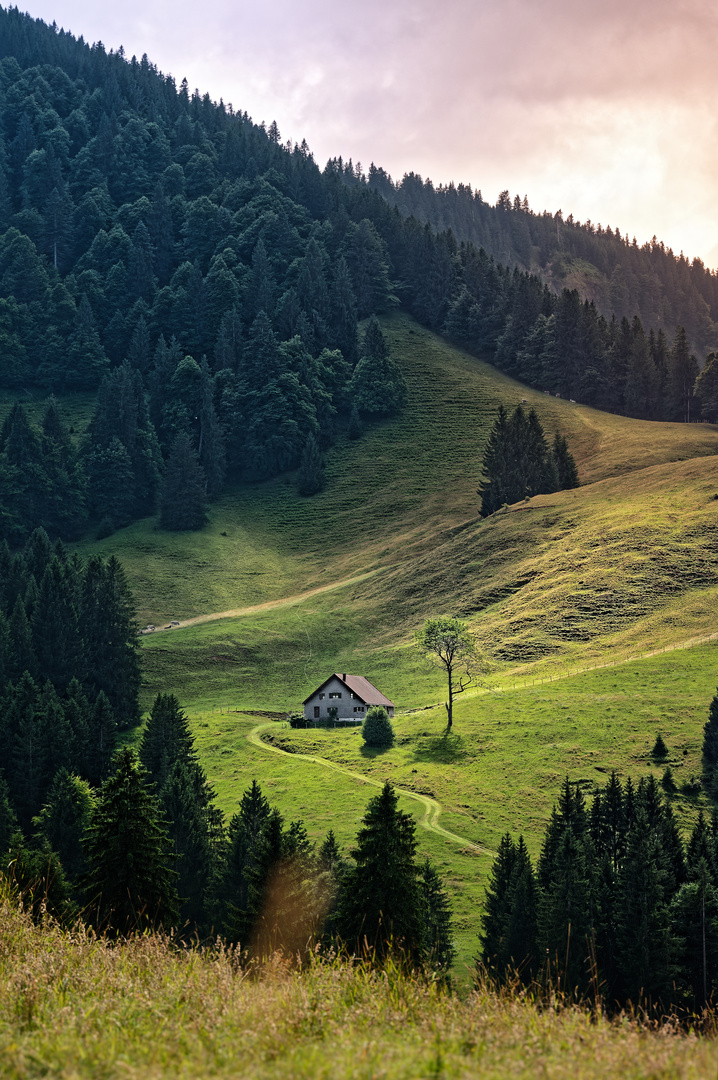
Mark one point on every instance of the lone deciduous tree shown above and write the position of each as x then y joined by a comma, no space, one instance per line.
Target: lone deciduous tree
448,643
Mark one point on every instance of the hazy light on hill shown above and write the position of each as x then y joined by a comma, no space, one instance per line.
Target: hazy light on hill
603,110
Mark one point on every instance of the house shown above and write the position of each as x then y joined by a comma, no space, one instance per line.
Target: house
350,695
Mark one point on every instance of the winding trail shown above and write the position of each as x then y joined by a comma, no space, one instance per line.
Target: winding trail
432,808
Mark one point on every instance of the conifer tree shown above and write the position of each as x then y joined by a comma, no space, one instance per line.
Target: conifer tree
497,908
128,885
102,738
8,820
379,907
109,635
212,453
710,736
355,425
22,656
646,947
436,918
183,491
343,308
64,819
232,884
517,461
377,386
196,825
682,374
694,924
565,463
166,739
184,802
87,360
310,479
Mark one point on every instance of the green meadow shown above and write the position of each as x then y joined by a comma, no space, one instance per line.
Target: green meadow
573,597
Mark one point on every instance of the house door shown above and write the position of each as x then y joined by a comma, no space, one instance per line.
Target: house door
316,712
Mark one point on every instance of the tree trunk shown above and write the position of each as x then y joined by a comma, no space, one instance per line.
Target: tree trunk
450,703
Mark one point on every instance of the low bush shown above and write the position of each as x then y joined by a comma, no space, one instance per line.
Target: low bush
376,729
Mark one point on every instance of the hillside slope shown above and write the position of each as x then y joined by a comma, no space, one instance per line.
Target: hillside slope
390,496
602,573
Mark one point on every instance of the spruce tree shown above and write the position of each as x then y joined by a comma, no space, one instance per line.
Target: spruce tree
564,917
355,425
646,946
435,911
377,386
166,739
682,374
64,819
212,452
183,491
310,479
128,885
694,925
565,463
109,635
102,738
8,820
196,825
183,802
710,736
497,908
380,907
232,882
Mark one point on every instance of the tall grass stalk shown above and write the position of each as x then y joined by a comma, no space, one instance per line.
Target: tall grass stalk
73,1004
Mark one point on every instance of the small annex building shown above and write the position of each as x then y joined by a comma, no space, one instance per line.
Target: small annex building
350,695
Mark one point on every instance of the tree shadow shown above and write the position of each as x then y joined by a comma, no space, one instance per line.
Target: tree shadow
442,749
374,751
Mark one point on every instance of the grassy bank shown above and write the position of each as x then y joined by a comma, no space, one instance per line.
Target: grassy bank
74,1007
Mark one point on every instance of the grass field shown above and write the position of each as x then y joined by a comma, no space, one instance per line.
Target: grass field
71,1006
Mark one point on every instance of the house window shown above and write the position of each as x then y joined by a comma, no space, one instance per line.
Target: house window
316,712
321,697
335,695
358,708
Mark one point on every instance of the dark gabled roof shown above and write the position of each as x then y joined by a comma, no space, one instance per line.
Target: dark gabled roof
360,687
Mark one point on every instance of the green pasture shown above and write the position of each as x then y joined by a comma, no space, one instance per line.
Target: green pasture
499,769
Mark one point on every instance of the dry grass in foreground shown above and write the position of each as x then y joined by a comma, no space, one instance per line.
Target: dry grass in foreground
71,1006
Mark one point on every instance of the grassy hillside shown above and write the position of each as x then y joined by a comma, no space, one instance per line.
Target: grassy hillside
389,497
278,591
143,1009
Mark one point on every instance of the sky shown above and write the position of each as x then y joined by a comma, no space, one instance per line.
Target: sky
606,110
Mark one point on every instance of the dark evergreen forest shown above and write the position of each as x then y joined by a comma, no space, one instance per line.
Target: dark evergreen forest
207,281
664,290
616,910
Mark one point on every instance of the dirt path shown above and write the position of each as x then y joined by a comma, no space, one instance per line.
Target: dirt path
285,601
432,808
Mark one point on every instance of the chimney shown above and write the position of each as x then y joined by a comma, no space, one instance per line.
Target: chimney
344,676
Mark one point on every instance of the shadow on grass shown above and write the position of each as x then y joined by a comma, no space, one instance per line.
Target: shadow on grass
374,751
443,749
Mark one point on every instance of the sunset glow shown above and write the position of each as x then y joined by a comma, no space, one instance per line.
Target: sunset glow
605,111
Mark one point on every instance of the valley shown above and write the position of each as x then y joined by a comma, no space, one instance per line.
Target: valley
278,591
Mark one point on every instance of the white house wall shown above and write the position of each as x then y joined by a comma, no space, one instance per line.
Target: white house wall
348,707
